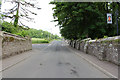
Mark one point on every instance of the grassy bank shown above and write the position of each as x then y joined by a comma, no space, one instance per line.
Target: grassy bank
38,41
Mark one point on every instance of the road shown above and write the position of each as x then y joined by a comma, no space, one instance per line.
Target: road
54,60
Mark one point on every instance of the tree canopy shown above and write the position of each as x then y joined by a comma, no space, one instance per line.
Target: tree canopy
82,20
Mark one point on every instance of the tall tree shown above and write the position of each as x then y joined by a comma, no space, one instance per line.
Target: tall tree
20,11
81,20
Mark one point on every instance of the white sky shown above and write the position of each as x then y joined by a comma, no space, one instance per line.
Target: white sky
43,19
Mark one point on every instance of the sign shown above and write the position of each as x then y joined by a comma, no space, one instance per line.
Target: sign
109,18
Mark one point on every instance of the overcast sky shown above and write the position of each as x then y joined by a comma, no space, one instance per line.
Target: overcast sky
43,19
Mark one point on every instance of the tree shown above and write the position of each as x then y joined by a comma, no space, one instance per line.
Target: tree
33,33
82,20
20,12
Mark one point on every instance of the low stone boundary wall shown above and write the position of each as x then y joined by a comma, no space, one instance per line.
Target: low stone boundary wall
1,45
14,44
104,49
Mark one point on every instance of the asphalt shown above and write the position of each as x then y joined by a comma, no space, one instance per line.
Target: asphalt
54,60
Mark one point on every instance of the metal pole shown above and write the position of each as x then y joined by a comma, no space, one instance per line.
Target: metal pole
117,21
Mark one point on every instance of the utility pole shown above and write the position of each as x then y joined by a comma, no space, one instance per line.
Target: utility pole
116,13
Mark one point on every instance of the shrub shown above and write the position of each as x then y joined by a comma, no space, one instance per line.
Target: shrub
105,37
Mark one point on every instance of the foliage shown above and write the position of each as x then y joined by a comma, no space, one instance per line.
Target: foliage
105,37
22,33
8,27
41,34
82,20
33,33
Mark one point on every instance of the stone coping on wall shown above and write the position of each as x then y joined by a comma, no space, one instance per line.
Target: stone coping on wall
105,39
6,34
86,39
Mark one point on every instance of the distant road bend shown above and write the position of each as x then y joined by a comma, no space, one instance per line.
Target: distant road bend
54,60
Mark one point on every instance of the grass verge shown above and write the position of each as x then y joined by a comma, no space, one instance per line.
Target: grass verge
38,41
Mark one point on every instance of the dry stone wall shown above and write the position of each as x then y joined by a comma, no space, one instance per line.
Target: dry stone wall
14,44
104,49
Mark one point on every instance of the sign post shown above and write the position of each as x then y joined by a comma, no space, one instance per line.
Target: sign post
116,13
109,18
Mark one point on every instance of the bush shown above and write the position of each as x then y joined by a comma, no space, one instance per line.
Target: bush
22,33
105,37
8,27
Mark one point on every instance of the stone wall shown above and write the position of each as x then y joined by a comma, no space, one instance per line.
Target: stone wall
104,49
0,44
14,44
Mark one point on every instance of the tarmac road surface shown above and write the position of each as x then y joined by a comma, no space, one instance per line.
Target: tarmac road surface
54,60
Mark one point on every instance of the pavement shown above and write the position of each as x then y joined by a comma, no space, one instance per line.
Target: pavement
56,60
106,67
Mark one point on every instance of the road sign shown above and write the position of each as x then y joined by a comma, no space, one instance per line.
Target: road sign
109,18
